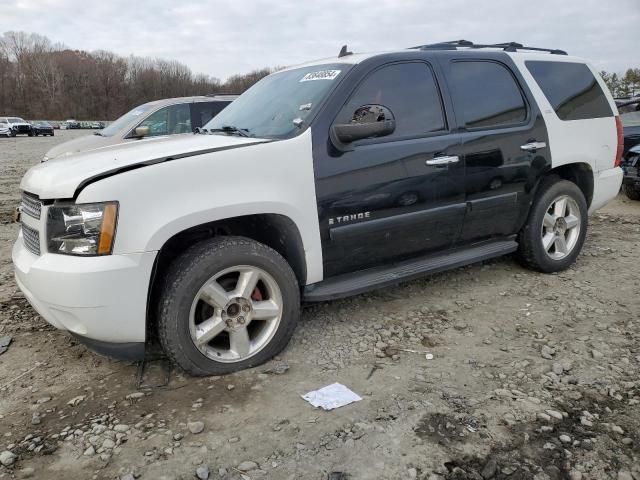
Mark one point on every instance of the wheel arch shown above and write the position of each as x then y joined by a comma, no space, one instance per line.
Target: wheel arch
580,173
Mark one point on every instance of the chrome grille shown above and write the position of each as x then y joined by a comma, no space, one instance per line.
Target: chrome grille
31,238
31,205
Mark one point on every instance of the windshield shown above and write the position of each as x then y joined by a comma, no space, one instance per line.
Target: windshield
16,120
279,105
125,120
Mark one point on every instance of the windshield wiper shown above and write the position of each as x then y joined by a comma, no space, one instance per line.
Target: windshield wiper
243,132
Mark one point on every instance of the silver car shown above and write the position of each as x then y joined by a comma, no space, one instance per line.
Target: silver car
171,116
5,131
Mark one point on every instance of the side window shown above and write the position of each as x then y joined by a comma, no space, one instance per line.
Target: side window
571,89
486,95
409,90
169,120
205,111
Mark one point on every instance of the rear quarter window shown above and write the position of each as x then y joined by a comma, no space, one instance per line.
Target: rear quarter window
571,89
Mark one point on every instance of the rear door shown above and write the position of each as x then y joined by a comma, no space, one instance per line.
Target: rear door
396,196
504,143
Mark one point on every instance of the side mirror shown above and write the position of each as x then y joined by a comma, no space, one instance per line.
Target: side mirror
141,132
368,121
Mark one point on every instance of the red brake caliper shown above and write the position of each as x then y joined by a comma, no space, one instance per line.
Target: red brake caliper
256,296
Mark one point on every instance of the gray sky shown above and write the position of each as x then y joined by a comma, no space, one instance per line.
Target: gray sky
235,36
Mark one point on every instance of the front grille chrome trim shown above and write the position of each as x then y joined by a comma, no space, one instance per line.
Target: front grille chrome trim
31,205
31,238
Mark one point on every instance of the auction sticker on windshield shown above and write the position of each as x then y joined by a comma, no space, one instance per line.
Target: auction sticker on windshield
321,75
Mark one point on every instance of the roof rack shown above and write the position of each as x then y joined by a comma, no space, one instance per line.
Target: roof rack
506,46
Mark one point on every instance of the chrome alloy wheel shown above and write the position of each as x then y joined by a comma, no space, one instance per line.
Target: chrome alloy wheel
561,227
235,314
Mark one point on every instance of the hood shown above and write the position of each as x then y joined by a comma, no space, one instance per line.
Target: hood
89,142
62,177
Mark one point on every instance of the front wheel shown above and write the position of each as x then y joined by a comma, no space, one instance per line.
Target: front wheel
556,228
631,192
228,303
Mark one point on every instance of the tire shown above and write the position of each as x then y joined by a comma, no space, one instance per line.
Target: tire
183,314
631,192
12,134
30,134
542,231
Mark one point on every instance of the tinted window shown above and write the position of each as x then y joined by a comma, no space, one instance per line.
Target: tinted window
169,120
205,111
486,95
409,90
571,89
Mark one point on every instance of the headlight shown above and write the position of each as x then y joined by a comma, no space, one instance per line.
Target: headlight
85,229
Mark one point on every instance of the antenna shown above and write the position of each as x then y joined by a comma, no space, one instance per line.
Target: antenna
344,52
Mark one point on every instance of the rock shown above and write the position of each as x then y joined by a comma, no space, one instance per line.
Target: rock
230,387
617,429
108,444
7,458
557,368
121,428
195,427
247,466
565,438
624,475
413,473
575,475
544,417
89,452
134,395
43,400
489,469
554,414
75,401
202,472
547,352
597,355
128,476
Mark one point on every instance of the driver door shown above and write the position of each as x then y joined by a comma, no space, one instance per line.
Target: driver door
398,195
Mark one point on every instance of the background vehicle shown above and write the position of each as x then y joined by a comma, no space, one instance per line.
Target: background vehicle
631,169
71,123
630,116
170,116
17,126
42,128
98,125
4,128
321,181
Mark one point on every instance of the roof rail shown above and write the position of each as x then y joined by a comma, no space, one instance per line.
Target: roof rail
506,46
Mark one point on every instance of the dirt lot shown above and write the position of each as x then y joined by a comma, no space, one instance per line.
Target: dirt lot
533,377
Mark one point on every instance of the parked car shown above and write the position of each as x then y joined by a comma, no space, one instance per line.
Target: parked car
213,240
17,126
170,116
631,169
630,116
5,131
72,124
42,128
97,125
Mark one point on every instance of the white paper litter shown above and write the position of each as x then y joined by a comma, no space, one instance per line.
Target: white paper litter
332,396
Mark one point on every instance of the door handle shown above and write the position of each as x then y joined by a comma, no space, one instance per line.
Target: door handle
528,147
443,160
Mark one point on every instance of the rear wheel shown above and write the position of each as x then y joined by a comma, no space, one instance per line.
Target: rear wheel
631,192
228,303
556,229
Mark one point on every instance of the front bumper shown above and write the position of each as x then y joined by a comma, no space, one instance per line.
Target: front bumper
606,185
100,300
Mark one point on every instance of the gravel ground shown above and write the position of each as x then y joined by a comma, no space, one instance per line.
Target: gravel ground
533,377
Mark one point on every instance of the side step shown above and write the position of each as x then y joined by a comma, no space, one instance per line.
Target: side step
354,283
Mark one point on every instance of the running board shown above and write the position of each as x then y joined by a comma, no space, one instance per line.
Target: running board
354,283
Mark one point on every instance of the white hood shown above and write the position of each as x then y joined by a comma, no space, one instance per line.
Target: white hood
62,177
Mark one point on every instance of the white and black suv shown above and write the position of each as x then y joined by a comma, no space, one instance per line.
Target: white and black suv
321,181
17,126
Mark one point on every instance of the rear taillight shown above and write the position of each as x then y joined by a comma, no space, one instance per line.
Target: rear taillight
620,132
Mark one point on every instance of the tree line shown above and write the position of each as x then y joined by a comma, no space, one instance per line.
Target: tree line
623,85
43,80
